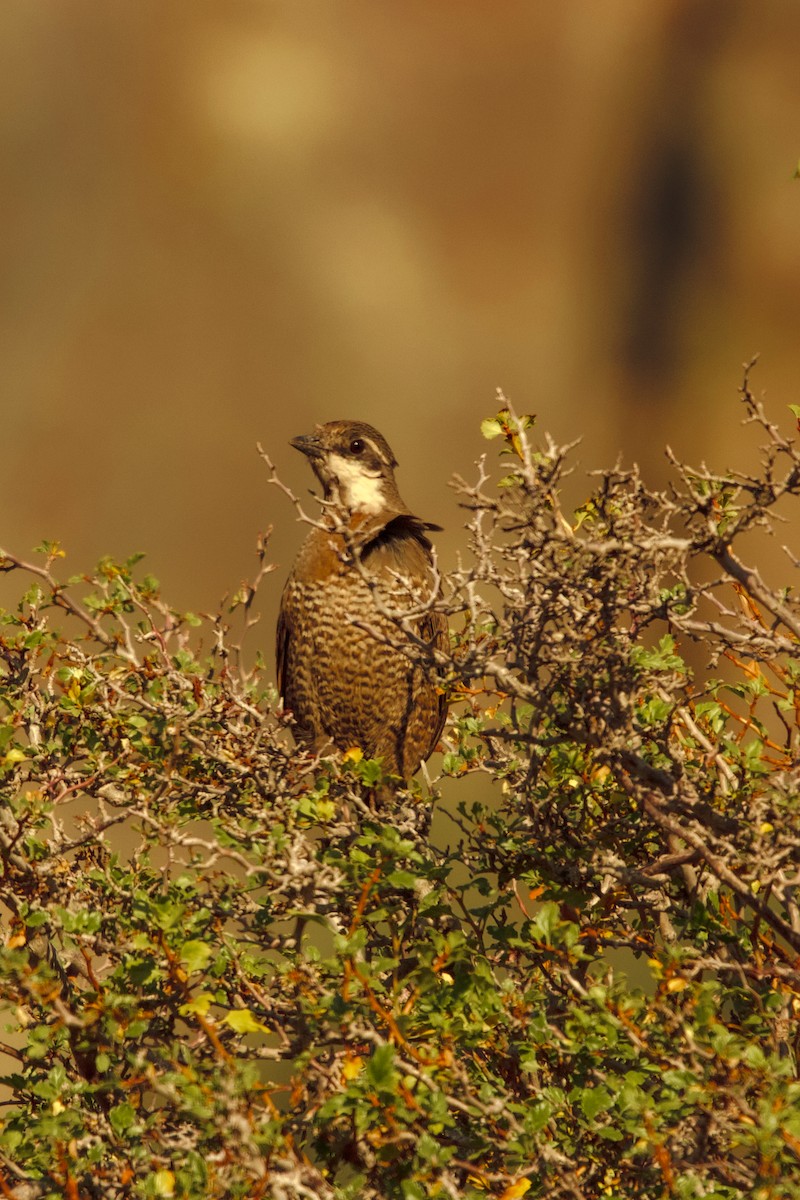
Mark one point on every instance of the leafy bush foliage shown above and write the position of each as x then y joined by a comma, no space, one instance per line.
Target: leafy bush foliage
569,970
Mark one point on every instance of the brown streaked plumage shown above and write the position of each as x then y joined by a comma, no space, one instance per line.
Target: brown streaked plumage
342,682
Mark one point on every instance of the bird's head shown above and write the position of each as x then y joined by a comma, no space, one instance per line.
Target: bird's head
354,464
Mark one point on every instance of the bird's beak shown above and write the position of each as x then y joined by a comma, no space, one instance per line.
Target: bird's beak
308,444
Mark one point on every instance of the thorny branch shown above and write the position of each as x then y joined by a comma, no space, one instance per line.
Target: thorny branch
188,898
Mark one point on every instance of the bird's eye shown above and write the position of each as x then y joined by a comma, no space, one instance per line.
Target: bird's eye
356,446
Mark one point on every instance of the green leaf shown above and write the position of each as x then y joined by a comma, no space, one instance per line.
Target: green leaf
241,1020
196,955
198,1005
380,1066
610,1133
595,1100
122,1117
402,879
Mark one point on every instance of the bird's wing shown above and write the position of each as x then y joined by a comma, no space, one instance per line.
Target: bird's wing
387,530
281,649
402,546
395,529
433,629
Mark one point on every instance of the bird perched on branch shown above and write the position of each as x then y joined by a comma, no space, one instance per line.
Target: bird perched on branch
348,670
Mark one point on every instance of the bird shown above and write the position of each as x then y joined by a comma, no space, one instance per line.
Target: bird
346,671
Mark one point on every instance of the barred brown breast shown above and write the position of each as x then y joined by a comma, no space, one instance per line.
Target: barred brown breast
346,670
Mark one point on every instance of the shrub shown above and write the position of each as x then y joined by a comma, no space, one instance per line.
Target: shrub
229,970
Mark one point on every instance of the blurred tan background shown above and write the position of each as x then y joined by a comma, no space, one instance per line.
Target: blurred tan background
223,221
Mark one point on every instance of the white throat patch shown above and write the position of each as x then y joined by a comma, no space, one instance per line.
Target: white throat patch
359,490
